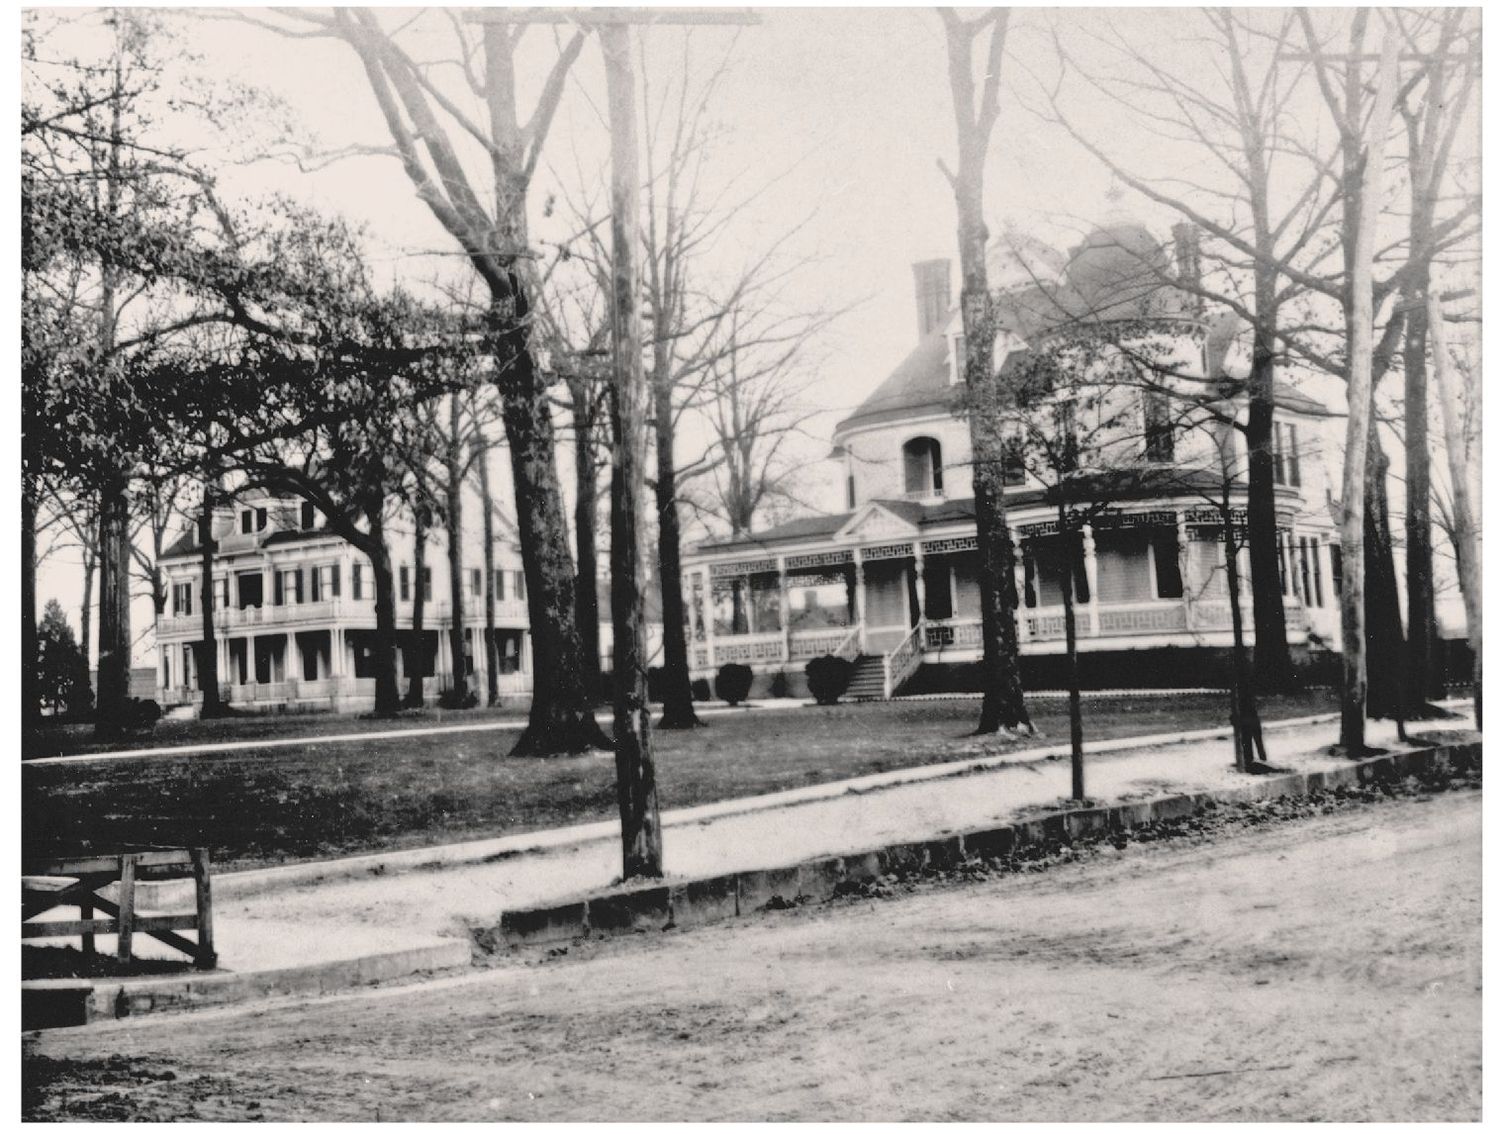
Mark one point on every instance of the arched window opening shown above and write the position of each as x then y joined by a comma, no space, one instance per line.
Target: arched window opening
923,468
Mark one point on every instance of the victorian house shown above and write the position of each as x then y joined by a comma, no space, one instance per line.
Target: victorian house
889,582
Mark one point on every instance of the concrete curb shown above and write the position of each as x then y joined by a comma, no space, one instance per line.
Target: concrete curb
68,1003
179,893
681,903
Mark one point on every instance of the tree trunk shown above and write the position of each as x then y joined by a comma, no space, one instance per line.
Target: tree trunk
114,609
1468,546
1002,707
1247,727
417,653
86,606
388,700
586,509
560,719
454,532
31,706
636,779
208,653
1363,197
488,533
1275,670
1424,679
678,693
1074,555
1385,628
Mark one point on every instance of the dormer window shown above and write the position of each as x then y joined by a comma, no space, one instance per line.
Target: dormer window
309,516
252,520
923,468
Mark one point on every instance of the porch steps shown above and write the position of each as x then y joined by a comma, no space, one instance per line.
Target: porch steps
866,682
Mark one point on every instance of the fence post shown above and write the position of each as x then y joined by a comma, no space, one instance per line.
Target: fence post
127,915
204,907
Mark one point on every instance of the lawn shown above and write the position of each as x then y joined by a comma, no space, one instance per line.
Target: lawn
78,739
322,800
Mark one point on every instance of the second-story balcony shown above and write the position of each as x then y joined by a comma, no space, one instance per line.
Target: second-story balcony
347,611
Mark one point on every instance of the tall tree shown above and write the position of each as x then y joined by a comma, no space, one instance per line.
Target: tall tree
1363,123
1261,226
1433,114
1460,457
1002,707
99,193
426,126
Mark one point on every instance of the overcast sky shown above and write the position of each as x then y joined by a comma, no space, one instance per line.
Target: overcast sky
838,115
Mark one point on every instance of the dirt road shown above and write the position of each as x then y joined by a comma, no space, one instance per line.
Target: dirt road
1326,969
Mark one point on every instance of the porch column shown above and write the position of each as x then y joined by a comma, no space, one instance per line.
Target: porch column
686,583
860,596
784,608
1182,542
336,652
1019,583
1088,551
918,580
708,598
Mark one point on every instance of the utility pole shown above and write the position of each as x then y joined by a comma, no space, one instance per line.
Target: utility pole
636,784
636,776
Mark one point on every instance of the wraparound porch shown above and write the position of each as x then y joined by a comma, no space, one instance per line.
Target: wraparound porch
1139,580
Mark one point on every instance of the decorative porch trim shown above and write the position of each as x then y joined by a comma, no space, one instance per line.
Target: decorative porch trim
743,567
887,551
819,559
948,546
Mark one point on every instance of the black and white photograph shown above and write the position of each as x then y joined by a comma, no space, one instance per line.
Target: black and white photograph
751,564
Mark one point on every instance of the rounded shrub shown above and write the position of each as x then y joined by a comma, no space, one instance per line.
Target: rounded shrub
733,683
779,685
701,689
141,714
829,677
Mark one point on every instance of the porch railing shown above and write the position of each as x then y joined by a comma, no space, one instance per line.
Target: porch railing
805,644
905,657
748,648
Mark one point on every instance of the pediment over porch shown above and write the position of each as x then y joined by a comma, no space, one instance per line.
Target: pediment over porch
876,520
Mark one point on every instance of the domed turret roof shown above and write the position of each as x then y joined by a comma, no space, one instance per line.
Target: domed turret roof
1120,271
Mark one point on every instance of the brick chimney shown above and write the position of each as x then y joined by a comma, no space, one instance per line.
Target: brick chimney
931,288
1187,262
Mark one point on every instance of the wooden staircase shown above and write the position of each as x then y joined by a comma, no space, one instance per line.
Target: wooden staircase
866,681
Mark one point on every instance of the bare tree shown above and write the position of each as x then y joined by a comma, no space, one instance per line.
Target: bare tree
427,128
1433,115
1460,455
1362,122
1002,706
1257,229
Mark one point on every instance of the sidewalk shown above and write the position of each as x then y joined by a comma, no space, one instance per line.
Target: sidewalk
425,893
423,904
